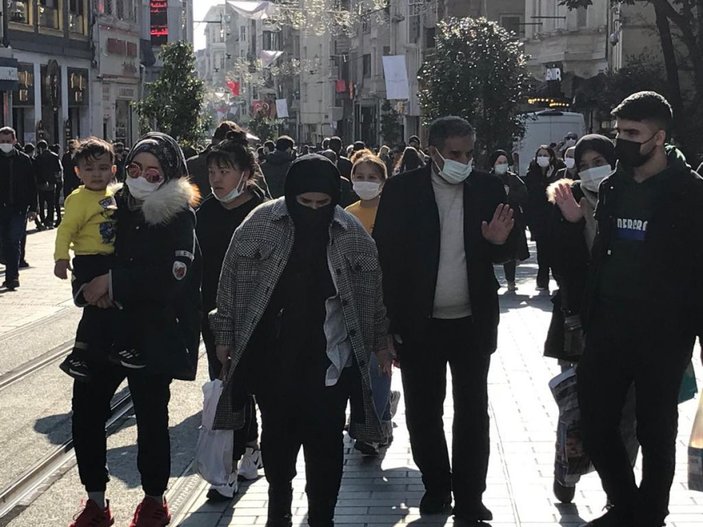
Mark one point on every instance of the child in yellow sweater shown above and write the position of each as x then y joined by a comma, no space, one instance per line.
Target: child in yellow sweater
88,228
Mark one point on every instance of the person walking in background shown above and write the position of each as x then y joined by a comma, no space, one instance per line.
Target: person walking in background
439,230
368,177
643,310
542,173
299,311
410,160
48,172
277,164
344,165
516,191
58,188
570,170
231,167
156,281
71,180
18,203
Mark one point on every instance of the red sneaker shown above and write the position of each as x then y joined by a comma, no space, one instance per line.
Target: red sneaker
150,513
93,516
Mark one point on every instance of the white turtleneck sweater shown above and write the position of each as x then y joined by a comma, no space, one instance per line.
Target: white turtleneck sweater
451,299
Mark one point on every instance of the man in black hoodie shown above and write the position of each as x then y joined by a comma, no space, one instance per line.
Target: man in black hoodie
277,164
644,309
18,203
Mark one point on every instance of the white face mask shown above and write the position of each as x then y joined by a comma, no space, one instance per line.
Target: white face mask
367,190
455,172
543,161
501,168
569,143
232,194
140,188
592,178
6,147
570,162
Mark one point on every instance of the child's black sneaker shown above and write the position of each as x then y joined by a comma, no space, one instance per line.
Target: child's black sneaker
128,357
76,368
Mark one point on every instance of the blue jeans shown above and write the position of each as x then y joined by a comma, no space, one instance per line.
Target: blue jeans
381,388
12,226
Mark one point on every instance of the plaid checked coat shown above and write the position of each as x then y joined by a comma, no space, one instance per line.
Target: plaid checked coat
254,262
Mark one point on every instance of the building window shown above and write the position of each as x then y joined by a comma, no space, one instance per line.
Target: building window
366,61
77,16
49,13
243,34
103,7
430,36
271,40
581,17
21,12
513,24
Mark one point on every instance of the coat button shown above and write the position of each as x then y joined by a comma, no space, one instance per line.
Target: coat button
610,252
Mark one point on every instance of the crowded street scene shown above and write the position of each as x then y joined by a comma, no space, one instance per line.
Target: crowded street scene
366,263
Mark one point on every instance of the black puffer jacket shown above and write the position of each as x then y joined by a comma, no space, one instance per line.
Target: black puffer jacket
157,276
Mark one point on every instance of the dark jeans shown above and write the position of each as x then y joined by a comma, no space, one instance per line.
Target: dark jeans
91,409
542,262
424,374
46,206
509,269
57,201
12,227
617,355
250,432
313,419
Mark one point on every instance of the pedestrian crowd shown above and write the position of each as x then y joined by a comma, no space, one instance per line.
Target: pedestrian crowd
311,276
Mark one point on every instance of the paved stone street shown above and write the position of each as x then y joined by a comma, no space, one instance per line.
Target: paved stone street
381,492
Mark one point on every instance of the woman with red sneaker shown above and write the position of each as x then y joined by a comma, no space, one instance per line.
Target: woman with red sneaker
156,281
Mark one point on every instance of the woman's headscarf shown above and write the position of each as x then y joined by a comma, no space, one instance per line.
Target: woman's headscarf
166,150
495,155
597,143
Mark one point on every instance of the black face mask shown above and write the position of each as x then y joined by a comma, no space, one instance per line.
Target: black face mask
307,219
630,154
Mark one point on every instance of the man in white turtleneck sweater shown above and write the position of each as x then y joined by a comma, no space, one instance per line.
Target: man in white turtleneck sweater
439,230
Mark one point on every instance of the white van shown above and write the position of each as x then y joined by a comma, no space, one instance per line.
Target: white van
544,128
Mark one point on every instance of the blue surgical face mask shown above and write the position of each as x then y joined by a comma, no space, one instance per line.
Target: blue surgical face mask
455,172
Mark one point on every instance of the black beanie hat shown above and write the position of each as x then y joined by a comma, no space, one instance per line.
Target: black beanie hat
598,143
313,173
495,155
166,150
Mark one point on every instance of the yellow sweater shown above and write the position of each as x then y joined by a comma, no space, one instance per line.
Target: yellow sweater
88,226
366,215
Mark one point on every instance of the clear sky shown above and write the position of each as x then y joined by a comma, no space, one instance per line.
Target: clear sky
200,9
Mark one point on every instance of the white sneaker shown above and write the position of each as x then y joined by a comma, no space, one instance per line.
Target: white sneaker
224,492
250,464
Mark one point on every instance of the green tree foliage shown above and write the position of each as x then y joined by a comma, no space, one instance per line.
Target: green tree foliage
679,24
173,103
263,127
641,73
390,124
478,71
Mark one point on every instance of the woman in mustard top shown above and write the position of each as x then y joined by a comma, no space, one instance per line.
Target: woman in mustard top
368,176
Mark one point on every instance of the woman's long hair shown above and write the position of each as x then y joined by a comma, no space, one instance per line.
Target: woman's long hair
410,160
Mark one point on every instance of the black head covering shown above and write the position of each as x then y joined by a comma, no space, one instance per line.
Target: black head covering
495,155
313,173
166,150
599,143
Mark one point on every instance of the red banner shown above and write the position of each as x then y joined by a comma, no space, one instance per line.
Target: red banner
341,86
233,87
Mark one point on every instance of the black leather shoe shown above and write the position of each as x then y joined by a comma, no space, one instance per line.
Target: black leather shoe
612,518
474,515
432,503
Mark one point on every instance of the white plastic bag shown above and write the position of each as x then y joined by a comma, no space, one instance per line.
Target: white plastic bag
213,453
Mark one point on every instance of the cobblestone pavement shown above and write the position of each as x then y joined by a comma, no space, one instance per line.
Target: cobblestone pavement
386,491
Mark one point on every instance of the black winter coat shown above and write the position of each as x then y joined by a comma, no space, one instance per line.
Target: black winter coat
673,248
538,208
18,188
275,170
156,278
517,199
407,233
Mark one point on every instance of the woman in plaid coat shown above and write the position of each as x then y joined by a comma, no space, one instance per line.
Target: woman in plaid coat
299,311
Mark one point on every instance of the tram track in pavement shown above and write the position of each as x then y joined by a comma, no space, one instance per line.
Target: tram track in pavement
25,488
